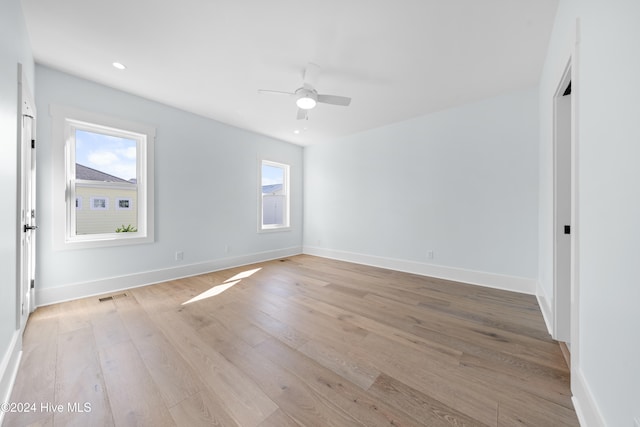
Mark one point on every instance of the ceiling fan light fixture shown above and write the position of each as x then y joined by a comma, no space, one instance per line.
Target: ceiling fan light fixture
306,102
307,97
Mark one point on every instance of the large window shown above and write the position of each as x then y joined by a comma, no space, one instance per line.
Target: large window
274,196
108,163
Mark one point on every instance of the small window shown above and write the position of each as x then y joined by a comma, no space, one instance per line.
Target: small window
124,204
109,163
274,196
99,203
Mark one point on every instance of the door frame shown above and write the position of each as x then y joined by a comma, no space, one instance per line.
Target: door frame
573,64
25,153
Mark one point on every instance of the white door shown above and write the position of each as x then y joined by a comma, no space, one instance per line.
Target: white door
27,224
563,211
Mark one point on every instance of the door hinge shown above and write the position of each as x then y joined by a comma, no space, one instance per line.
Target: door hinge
33,143
567,229
33,283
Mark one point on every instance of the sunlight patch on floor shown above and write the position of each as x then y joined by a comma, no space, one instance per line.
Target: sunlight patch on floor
227,284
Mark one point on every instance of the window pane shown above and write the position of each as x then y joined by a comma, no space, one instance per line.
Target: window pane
106,174
274,203
272,176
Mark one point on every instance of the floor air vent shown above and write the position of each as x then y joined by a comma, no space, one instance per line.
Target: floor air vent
111,297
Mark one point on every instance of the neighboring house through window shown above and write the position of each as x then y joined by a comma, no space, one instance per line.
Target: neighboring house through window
109,163
274,196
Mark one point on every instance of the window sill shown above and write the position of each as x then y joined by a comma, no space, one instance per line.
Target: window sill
105,241
274,229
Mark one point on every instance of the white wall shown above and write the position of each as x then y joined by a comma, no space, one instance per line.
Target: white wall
605,374
462,183
14,48
206,195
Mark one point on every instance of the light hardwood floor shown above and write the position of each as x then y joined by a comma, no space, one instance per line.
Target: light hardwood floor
299,341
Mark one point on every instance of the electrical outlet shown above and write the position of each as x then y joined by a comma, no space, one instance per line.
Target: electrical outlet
429,254
179,256
227,249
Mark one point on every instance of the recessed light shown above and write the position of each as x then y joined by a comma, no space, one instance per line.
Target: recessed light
297,131
119,66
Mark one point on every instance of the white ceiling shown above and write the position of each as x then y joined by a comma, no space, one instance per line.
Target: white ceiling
396,59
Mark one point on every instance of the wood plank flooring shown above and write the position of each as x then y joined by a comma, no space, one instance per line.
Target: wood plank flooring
299,341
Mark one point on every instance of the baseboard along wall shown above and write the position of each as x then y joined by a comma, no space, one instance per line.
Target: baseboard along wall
73,291
9,368
584,402
490,280
545,307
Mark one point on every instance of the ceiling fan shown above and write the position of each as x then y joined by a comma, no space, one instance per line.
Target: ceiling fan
306,96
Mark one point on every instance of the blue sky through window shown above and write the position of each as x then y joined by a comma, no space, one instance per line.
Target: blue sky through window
109,154
272,175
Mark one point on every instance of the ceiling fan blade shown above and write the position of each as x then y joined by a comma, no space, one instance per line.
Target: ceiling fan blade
311,75
275,92
302,114
335,100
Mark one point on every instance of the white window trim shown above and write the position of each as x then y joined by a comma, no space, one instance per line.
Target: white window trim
286,188
64,118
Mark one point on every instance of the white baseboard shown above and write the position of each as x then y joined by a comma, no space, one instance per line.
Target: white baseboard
113,284
584,403
545,307
491,280
9,368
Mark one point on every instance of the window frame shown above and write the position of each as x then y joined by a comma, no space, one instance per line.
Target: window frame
286,189
65,123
